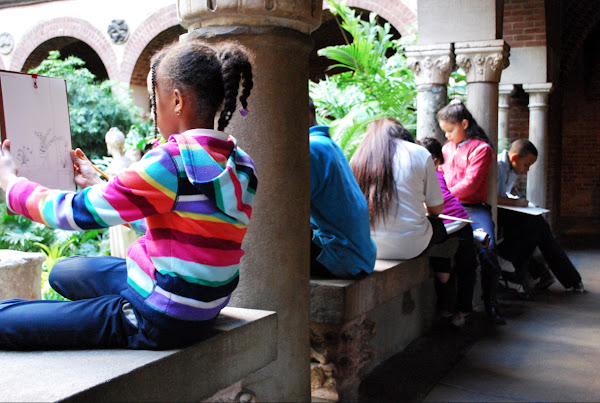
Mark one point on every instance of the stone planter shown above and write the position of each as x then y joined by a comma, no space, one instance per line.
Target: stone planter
20,274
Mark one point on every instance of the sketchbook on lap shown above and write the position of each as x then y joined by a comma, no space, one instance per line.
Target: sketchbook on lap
531,209
34,115
449,217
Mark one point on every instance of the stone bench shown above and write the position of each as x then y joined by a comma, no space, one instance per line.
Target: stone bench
358,324
245,340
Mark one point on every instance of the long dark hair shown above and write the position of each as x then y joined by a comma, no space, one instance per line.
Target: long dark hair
372,164
212,73
456,112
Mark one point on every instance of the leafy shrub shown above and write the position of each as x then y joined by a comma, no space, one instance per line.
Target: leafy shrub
93,107
373,85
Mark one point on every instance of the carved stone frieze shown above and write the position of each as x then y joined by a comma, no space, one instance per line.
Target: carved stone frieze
7,43
118,30
339,354
431,64
300,15
483,61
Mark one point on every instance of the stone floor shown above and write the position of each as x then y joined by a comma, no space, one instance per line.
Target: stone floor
549,351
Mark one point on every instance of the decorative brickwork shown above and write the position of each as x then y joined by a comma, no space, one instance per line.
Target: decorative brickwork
139,47
65,27
394,11
68,46
524,23
140,71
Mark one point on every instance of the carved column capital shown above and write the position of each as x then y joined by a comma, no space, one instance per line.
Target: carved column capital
538,94
505,91
300,15
483,61
432,64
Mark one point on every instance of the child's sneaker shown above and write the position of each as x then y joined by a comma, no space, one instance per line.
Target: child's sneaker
459,319
578,289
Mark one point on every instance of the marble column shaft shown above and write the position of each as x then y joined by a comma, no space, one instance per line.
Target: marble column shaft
505,91
538,135
432,66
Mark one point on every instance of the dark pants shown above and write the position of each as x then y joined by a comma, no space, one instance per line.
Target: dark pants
488,259
319,270
522,234
465,269
93,319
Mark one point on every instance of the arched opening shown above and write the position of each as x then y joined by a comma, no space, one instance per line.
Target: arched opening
68,46
142,66
330,33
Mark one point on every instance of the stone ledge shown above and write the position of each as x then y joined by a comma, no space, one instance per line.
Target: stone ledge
245,341
339,301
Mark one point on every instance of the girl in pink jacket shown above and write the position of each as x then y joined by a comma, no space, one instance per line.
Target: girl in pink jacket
468,156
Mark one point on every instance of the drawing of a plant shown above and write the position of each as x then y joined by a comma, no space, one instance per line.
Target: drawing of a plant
24,155
45,142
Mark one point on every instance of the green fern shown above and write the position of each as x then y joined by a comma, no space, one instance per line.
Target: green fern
373,85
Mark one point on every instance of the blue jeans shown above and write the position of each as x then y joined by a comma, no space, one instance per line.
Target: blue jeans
488,259
95,318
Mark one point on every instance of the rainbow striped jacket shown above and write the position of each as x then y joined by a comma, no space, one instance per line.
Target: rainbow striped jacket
195,193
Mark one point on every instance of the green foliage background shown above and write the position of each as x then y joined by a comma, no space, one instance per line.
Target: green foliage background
93,107
374,84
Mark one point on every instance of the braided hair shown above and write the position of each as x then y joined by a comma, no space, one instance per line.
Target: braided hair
211,73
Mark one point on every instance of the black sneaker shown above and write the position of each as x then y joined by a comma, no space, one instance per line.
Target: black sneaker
578,289
494,316
546,280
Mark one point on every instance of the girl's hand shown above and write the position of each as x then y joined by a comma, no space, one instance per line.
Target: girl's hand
8,168
85,174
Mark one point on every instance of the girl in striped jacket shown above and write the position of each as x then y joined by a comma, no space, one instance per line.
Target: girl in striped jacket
193,197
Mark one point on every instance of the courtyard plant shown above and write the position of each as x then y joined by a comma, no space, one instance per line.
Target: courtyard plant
375,81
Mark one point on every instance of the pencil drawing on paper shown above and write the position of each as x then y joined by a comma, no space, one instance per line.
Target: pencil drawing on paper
40,134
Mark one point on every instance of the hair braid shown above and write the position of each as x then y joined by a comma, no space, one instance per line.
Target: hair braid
154,113
247,84
235,65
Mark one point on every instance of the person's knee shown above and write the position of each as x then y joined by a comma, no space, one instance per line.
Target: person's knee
65,269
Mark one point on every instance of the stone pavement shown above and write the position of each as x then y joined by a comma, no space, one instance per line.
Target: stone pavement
549,351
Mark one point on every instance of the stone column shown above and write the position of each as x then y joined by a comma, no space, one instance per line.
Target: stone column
274,273
505,91
538,135
483,62
432,65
